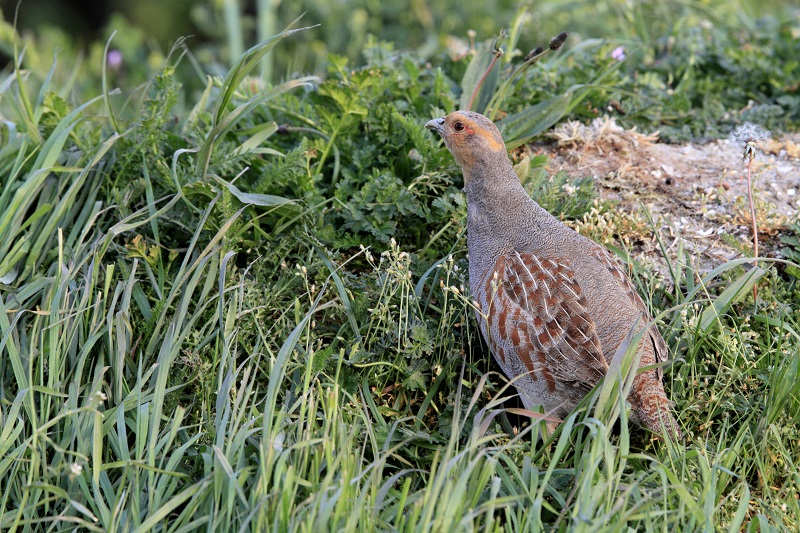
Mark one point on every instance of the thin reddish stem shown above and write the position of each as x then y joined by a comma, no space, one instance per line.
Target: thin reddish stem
753,219
483,78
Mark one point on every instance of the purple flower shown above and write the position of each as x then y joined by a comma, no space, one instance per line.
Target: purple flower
114,59
618,53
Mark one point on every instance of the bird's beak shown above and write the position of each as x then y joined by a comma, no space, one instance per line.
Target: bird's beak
436,125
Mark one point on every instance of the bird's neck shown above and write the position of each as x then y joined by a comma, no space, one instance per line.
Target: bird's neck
494,186
502,216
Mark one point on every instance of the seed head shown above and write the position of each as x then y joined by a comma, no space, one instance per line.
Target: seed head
533,53
747,135
558,40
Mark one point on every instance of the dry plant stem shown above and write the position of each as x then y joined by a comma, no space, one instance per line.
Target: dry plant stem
753,219
483,78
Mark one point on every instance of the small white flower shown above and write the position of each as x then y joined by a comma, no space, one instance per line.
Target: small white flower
75,470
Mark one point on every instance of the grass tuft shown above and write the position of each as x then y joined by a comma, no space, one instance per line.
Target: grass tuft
245,306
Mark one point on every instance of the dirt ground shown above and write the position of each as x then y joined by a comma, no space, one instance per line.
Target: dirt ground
696,192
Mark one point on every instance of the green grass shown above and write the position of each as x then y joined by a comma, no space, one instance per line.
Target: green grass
245,308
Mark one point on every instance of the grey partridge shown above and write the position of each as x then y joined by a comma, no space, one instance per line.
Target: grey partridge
554,306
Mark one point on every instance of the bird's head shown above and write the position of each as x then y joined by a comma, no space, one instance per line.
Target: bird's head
471,138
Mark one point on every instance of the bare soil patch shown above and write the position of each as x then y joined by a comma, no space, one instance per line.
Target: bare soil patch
696,192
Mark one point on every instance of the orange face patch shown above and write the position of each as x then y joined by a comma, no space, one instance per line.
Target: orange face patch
493,145
471,128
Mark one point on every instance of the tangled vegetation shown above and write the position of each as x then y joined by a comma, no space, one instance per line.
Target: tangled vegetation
244,306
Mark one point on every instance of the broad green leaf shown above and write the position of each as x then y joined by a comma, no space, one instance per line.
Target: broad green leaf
263,200
261,134
484,54
521,127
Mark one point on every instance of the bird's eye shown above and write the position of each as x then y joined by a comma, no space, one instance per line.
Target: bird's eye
458,126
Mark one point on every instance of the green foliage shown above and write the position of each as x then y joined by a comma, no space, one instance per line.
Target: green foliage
346,28
696,81
792,249
147,145
485,90
246,307
223,119
709,70
378,207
